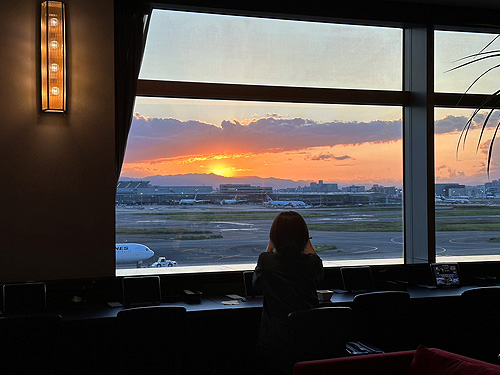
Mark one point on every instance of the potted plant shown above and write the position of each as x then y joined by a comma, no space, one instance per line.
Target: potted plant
490,103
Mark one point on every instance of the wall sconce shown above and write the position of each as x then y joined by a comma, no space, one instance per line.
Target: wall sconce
53,57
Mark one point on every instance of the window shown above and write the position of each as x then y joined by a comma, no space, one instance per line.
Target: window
453,49
201,47
319,131
467,214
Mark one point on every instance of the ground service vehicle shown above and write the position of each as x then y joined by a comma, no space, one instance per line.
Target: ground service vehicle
164,262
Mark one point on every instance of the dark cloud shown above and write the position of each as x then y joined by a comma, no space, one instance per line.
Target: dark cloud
456,123
449,172
484,147
450,124
323,156
343,157
162,138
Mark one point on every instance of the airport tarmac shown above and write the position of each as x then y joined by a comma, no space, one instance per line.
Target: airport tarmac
240,239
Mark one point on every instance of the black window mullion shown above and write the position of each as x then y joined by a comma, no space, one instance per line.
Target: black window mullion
199,90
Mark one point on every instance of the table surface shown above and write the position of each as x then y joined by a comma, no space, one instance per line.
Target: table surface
214,303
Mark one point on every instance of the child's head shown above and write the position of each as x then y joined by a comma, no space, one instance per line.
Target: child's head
289,233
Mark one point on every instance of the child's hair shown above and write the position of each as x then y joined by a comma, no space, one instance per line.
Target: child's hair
289,233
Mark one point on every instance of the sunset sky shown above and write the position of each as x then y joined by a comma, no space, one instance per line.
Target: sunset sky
338,144
343,152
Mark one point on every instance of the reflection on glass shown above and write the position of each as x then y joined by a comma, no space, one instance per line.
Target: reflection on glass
201,191
197,47
467,203
452,50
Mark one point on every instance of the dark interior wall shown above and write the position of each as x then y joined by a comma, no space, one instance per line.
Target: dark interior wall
57,186
57,170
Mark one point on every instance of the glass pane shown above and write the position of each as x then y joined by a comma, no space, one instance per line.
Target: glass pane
203,180
452,50
467,203
198,47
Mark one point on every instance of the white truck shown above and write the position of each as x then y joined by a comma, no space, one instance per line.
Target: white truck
164,262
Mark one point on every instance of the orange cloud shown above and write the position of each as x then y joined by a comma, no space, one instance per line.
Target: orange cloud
297,149
467,167
364,164
164,138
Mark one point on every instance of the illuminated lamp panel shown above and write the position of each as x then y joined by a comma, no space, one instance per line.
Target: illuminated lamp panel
53,57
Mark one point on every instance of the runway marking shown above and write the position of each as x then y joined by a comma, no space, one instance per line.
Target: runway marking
233,256
475,249
231,223
396,240
186,250
238,229
366,251
461,241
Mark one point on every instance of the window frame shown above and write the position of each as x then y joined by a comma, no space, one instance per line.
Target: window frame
417,98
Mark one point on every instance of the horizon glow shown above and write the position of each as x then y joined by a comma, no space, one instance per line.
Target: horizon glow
236,139
355,158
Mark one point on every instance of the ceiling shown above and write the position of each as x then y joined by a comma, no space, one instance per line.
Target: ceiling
486,4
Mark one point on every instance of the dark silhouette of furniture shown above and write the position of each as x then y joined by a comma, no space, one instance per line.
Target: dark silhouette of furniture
151,339
30,344
381,319
357,279
319,333
422,361
481,323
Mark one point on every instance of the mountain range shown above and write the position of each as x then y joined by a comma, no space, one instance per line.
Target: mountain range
195,179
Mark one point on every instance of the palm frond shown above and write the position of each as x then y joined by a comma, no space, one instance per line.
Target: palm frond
480,76
493,102
482,129
465,130
490,43
490,151
475,55
497,54
477,79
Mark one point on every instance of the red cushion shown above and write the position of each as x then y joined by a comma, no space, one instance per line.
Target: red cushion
374,364
438,362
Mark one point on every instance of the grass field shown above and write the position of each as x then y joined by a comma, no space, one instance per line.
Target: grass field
177,231
489,219
397,226
366,226
469,211
320,248
226,216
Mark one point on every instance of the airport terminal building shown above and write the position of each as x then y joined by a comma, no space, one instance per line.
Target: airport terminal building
143,193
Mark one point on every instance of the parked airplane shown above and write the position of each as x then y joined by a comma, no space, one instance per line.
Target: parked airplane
441,199
232,201
193,201
132,253
284,203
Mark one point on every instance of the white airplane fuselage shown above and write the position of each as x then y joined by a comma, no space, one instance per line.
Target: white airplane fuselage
441,199
232,201
132,253
191,201
285,203
187,201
